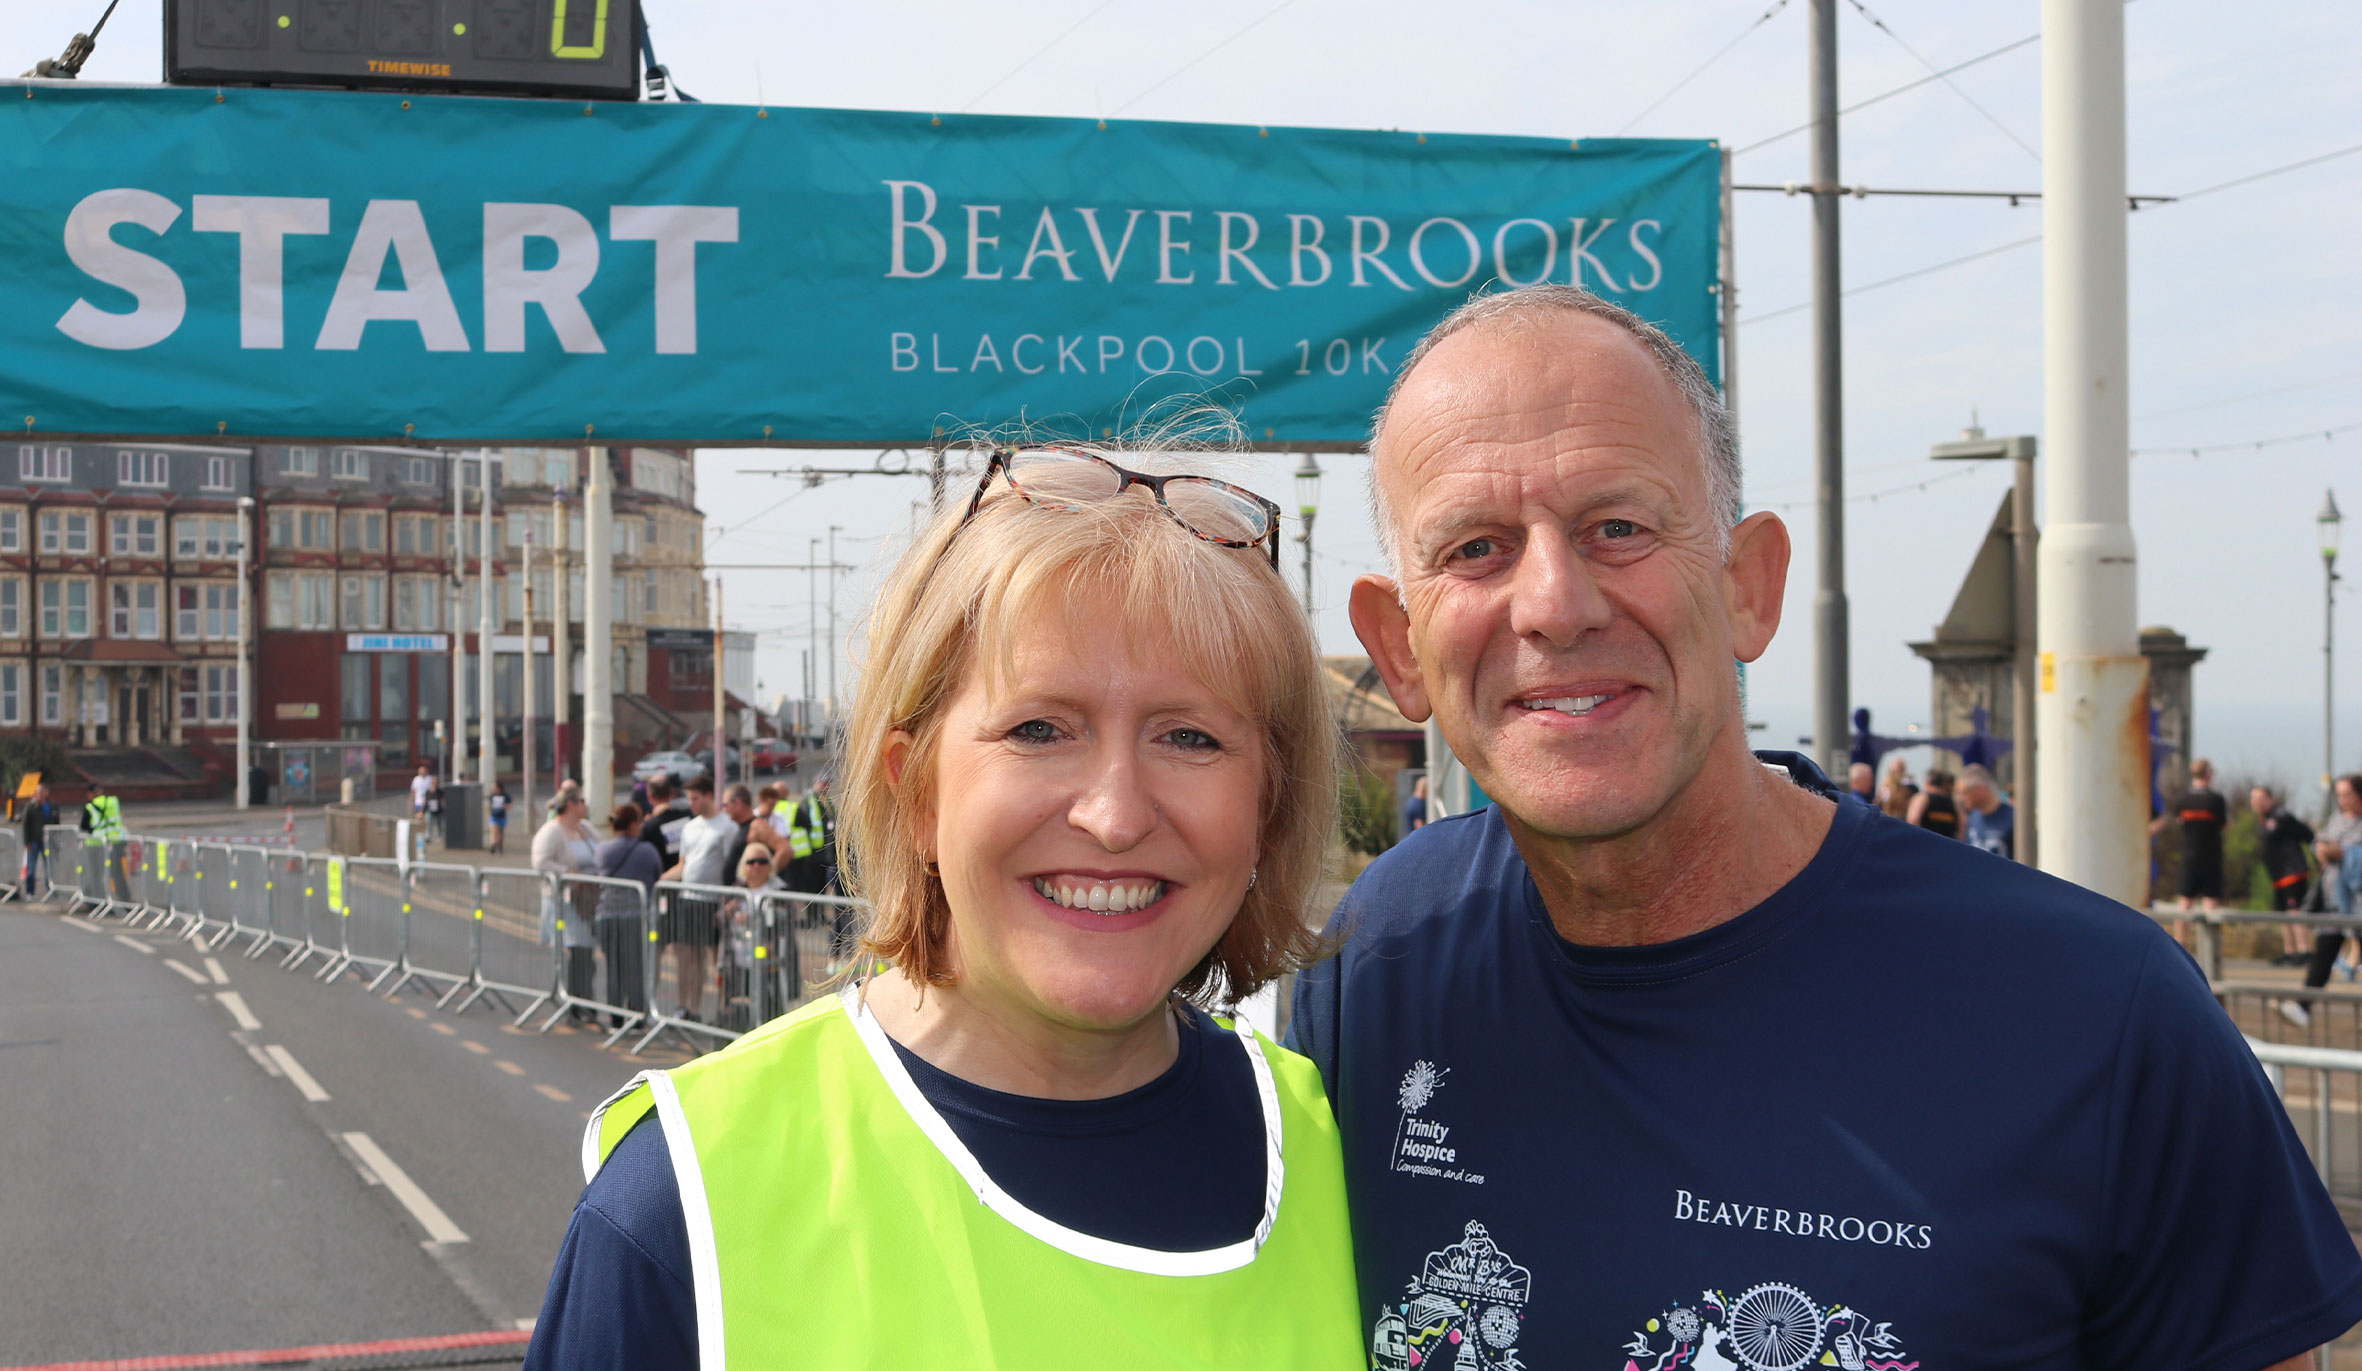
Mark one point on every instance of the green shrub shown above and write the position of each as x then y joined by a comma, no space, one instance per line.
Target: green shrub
23,752
1365,814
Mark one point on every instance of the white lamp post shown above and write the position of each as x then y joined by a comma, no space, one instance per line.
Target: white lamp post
2330,523
1307,505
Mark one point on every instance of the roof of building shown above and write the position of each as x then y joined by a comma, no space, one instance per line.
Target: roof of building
1358,699
120,651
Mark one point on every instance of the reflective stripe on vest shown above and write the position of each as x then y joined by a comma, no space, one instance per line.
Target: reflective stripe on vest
809,1163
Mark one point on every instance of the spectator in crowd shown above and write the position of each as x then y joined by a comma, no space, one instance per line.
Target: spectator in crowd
666,816
769,827
1861,783
738,802
812,840
1933,808
1414,809
622,920
2203,814
2340,836
565,846
1895,793
39,814
1991,822
693,926
496,810
742,921
434,809
2286,856
2017,1115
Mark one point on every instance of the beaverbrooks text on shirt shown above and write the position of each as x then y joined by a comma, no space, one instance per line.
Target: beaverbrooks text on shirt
1802,1223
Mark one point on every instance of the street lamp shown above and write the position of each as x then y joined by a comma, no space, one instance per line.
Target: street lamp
2329,522
245,603
1974,446
1307,505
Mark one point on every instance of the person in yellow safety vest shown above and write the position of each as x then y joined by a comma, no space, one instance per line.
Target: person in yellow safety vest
812,830
1026,1142
102,827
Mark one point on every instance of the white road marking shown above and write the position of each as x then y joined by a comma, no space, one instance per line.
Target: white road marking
476,1047
443,1028
234,1002
552,1092
135,944
302,1079
213,969
437,1224
189,971
510,1067
71,922
262,1059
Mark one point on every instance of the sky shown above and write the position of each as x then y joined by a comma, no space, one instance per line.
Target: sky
2244,301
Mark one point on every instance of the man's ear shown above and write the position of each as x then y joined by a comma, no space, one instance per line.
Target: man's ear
1384,628
1755,583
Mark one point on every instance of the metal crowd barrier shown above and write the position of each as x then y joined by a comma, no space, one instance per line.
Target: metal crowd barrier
596,947
2327,1083
12,852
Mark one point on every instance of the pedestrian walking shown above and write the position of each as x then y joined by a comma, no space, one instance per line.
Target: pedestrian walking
622,918
1591,1045
2203,815
39,814
2286,856
1991,821
434,809
692,925
496,809
422,790
1934,808
565,846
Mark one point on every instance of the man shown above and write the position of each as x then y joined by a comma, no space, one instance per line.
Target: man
1932,808
1414,809
38,816
694,924
2203,814
2287,840
1861,783
1669,1057
102,828
812,864
738,804
422,789
1991,823
667,817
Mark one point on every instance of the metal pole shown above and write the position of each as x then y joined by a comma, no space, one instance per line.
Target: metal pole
1730,314
561,642
1831,665
812,623
2093,684
2329,679
721,697
458,629
598,637
2023,545
525,710
1306,538
488,748
245,641
833,530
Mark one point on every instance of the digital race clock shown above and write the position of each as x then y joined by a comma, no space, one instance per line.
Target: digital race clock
514,47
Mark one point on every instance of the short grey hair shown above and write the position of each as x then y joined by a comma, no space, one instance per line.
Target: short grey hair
1718,438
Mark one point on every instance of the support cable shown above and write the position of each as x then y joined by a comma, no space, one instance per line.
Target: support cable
1700,69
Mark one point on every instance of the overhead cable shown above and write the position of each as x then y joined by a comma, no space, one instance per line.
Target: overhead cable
1185,66
1063,35
1990,117
2317,435
1700,69
1899,90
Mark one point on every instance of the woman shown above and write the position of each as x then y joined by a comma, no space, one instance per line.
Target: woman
622,917
1895,792
1089,785
743,931
564,846
496,806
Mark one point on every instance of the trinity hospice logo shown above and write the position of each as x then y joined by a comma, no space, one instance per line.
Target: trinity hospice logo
1423,1146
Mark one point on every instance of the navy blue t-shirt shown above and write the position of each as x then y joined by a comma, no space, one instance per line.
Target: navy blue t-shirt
1175,1165
1921,1107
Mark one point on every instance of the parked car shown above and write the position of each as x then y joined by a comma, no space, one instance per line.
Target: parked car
680,766
774,755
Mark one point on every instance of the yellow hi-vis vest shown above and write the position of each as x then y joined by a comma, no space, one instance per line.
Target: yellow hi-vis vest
106,819
808,827
835,1221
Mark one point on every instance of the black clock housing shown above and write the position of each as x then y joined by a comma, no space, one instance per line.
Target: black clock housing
568,48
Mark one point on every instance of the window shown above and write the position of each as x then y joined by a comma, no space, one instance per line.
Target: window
627,537
53,695
415,601
364,601
558,470
65,608
415,535
658,606
205,611
37,462
12,529
300,461
12,694
661,472
217,473
418,471
357,675
136,535
200,538
364,531
65,531
299,599
12,607
209,694
142,468
466,474
350,464
137,609
282,528
309,530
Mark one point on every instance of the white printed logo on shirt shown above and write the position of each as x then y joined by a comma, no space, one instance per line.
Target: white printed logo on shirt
1462,1312
1424,1146
1769,1327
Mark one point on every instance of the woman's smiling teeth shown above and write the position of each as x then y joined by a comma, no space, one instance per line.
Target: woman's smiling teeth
1102,897
1568,704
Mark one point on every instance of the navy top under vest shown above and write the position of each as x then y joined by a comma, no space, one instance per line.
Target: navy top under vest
1176,1164
1921,1107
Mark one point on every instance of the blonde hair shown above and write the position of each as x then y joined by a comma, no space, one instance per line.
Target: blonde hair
955,601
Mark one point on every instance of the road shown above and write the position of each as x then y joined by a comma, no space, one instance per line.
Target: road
208,1153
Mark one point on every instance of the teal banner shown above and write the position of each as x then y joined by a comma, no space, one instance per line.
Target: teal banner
277,264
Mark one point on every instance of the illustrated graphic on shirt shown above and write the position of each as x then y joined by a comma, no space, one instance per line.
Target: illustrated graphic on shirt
1769,1327
1423,1146
1462,1313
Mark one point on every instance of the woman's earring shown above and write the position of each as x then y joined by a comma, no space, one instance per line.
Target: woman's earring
935,871
1250,878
